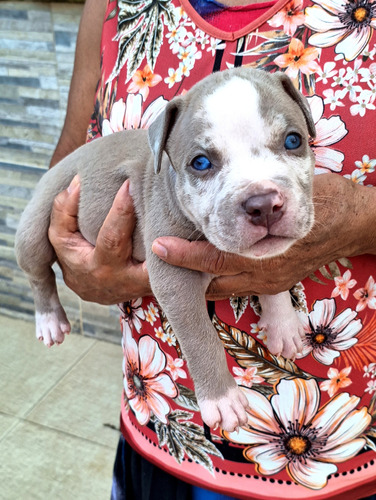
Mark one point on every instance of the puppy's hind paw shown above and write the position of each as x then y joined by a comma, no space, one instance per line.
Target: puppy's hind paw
227,412
52,327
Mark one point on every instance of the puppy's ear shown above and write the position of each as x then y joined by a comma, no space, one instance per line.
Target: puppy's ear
160,130
299,98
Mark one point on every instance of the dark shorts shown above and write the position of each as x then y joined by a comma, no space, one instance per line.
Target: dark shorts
136,478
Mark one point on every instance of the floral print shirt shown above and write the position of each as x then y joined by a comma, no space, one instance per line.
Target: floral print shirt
311,430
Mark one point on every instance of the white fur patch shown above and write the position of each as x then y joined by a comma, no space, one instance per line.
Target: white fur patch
50,329
238,121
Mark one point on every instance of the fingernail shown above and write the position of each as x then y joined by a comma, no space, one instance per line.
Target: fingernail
74,183
159,250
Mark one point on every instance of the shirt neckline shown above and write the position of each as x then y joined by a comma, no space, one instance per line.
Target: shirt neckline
230,35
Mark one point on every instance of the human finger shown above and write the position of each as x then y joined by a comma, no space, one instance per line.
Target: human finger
64,217
114,239
197,255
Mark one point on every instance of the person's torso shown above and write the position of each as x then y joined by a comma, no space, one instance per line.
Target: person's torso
314,440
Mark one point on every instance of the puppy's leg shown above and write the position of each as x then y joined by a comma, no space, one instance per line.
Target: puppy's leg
181,293
35,256
279,320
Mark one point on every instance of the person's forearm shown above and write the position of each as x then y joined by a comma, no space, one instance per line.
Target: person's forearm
86,74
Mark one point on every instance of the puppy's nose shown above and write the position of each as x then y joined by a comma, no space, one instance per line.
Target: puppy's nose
264,209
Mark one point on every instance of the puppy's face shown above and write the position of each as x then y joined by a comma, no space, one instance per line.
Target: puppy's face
244,168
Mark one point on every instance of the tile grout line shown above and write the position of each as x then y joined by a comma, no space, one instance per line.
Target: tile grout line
20,420
65,374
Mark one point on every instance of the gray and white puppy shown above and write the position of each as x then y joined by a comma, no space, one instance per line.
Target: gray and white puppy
235,168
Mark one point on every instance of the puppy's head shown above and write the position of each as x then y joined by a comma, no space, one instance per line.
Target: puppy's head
238,142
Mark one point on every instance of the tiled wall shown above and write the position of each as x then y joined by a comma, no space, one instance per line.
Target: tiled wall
37,42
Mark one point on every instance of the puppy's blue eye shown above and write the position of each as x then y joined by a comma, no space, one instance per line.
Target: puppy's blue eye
201,163
293,141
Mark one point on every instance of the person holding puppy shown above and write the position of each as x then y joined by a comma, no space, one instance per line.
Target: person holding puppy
311,426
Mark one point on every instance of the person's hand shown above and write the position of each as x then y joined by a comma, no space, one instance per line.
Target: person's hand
345,217
104,273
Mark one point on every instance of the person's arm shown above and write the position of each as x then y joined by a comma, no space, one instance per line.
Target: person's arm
105,273
345,226
85,76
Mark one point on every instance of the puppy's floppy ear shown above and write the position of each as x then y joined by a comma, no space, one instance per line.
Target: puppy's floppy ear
160,129
299,98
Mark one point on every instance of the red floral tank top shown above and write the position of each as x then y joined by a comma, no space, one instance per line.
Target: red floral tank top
311,431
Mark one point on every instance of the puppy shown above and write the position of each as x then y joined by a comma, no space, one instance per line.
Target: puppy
235,168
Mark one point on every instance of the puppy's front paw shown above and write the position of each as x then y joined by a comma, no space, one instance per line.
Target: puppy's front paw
51,327
227,412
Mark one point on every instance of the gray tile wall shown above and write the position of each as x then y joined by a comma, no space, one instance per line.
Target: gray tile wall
37,43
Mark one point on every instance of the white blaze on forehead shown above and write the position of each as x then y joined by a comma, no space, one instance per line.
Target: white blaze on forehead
233,112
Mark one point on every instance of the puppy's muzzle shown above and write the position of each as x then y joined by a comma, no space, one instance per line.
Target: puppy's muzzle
264,209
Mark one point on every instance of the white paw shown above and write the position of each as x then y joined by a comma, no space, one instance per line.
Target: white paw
51,327
228,412
284,338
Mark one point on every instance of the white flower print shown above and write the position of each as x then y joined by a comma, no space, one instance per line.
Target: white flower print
371,387
368,76
329,131
356,176
327,334
326,72
290,431
369,370
174,75
366,166
169,338
340,80
145,384
151,314
347,24
353,73
363,102
333,98
128,115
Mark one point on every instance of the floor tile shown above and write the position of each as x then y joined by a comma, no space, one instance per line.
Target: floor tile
28,369
40,464
91,392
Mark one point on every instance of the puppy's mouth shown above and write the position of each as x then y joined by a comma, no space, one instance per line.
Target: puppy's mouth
270,246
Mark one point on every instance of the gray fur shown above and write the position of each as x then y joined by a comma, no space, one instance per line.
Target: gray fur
167,204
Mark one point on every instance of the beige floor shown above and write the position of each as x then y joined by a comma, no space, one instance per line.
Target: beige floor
59,413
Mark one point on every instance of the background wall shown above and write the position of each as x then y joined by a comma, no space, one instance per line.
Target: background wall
37,43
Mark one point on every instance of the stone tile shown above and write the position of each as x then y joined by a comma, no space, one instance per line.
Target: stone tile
29,370
93,389
7,422
43,464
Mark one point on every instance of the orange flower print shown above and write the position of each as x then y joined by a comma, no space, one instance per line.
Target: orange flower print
290,17
247,377
336,380
343,285
132,313
346,24
366,295
145,384
298,59
291,431
142,80
175,367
